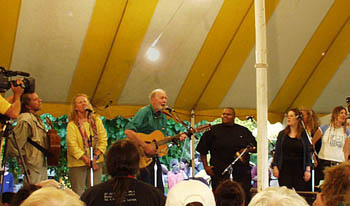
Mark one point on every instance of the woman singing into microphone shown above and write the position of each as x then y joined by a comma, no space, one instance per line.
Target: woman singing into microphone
292,159
84,125
335,142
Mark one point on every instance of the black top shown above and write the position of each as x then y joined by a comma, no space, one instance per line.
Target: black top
294,148
139,194
222,142
280,154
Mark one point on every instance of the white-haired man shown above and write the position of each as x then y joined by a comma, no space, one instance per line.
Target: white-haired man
147,120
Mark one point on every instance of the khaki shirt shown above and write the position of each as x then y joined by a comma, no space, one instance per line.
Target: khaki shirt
30,126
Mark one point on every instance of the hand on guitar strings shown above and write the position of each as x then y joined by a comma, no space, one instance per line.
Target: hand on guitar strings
149,149
183,136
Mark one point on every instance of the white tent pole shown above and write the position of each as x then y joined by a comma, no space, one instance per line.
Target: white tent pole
192,144
261,96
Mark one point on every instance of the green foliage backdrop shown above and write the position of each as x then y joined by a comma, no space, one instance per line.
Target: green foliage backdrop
115,131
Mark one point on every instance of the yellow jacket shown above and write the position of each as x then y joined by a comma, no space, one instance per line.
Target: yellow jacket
75,144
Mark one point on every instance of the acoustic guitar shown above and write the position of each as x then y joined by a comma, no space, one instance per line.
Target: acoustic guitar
54,145
159,142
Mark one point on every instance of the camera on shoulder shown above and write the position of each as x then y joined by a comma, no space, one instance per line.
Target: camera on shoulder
5,81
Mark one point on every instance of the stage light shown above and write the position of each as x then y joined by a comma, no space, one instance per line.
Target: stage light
153,54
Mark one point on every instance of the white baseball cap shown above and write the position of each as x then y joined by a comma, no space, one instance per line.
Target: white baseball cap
188,191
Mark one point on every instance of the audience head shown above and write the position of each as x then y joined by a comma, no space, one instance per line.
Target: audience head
184,164
7,197
190,193
51,196
23,193
229,193
174,165
278,196
122,159
336,186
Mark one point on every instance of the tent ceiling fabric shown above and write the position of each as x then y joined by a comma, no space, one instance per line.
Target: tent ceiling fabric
207,53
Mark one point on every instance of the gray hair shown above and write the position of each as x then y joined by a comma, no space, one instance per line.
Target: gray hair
278,196
52,196
154,92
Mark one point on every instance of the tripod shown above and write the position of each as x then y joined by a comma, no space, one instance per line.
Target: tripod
7,130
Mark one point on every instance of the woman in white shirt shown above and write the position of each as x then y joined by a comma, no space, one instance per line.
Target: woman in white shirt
335,142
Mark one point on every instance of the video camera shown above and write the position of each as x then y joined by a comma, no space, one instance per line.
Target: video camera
5,82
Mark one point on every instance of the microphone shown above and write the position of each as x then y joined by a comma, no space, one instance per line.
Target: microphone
109,103
300,117
88,110
169,109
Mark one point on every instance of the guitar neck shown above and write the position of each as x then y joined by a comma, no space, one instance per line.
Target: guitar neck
49,122
167,139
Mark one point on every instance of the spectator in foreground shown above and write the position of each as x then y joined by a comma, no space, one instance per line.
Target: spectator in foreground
190,193
229,193
122,163
278,196
336,186
53,197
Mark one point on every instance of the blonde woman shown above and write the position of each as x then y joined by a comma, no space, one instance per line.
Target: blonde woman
312,124
334,137
83,126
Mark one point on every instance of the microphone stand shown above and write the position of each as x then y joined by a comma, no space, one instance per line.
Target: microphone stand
91,152
312,159
189,132
229,168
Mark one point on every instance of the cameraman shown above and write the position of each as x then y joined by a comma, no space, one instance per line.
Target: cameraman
12,106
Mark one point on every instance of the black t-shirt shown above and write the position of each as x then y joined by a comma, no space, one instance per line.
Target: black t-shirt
222,142
294,148
139,194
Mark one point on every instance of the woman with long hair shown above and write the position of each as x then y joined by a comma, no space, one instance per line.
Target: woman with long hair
311,120
85,129
123,188
292,159
311,124
334,137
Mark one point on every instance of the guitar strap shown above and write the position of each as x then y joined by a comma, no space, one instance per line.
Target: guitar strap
39,147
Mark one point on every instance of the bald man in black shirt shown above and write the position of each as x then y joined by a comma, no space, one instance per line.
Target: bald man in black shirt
223,142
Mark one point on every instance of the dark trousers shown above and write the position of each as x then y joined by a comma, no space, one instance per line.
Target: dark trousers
147,174
322,164
292,176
